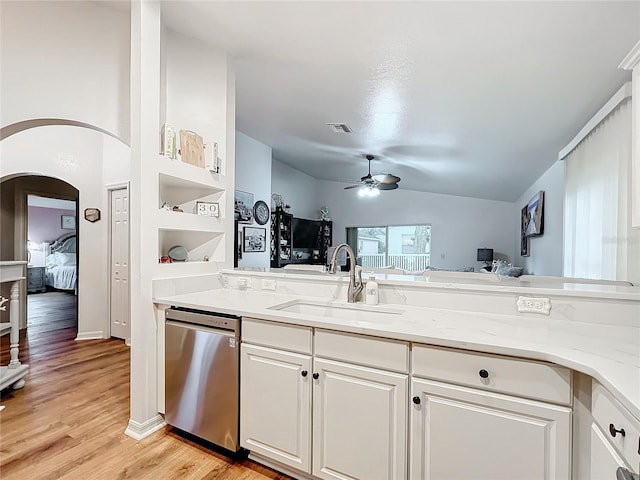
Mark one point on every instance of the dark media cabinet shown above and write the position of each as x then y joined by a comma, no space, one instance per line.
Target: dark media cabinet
298,240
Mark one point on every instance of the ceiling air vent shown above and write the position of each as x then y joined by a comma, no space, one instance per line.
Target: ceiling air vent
339,127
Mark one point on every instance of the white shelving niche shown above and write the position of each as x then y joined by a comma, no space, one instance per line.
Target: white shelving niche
183,185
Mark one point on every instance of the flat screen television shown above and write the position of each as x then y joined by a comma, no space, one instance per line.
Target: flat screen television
305,232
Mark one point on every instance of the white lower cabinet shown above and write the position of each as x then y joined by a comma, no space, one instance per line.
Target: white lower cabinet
275,405
605,460
615,436
359,422
326,417
464,433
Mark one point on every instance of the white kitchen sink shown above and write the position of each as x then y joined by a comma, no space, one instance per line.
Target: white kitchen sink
343,311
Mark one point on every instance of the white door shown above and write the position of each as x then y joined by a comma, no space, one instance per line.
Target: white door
462,433
359,422
119,271
605,460
275,405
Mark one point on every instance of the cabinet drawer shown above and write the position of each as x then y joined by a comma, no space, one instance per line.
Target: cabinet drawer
35,274
363,350
514,376
607,411
272,334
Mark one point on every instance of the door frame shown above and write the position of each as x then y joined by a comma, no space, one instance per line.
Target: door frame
21,234
110,188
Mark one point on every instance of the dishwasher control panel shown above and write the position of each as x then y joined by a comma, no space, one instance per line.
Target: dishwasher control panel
206,319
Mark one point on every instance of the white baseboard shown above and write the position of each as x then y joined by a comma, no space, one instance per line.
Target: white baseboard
97,335
138,431
127,342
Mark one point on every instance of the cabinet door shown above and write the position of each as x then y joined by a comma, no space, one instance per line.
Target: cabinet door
605,460
275,405
359,422
462,433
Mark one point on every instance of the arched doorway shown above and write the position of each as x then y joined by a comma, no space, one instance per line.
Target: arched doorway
39,225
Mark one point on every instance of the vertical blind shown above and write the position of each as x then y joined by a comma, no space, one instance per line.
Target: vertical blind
596,223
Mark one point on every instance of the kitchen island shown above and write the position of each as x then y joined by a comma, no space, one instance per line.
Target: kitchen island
590,332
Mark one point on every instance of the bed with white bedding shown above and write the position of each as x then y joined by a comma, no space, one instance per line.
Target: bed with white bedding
61,269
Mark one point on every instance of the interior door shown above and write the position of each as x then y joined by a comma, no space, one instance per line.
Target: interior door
119,271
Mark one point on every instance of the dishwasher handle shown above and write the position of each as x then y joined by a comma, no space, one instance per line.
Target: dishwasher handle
205,319
200,328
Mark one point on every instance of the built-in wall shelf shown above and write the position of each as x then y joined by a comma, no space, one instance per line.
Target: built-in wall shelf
190,173
169,220
197,243
180,191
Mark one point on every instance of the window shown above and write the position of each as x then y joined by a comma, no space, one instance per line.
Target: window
407,247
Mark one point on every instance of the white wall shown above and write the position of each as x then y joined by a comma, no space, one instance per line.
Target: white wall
189,97
75,155
66,60
297,189
545,251
460,225
253,175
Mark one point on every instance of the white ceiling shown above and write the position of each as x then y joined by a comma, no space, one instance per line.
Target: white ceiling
466,98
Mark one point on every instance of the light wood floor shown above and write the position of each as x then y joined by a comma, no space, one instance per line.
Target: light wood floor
68,421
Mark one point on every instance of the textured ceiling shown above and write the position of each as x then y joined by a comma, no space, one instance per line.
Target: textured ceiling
465,98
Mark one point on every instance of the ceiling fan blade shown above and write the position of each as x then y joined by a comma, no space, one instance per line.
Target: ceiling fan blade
353,186
387,186
386,178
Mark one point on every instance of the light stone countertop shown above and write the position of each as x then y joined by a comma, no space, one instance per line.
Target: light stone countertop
608,353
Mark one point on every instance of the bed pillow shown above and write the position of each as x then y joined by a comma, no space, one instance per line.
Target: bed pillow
67,258
60,259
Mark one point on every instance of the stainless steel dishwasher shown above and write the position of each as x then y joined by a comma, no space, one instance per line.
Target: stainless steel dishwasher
202,374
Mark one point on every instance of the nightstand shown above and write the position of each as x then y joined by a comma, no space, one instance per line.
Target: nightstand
35,279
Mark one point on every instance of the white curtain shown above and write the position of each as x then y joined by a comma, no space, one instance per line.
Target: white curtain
596,223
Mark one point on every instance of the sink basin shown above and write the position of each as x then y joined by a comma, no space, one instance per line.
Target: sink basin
342,311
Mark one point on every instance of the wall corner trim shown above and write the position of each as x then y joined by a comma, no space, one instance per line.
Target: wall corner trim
620,96
97,335
138,431
632,58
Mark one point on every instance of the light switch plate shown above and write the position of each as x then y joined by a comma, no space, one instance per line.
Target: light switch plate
540,305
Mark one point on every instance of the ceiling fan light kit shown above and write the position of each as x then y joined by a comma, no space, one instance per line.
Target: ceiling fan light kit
366,191
370,186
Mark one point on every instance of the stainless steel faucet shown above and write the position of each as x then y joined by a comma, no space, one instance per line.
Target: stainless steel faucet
355,286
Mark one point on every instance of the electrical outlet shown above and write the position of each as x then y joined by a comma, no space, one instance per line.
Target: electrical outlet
268,284
534,305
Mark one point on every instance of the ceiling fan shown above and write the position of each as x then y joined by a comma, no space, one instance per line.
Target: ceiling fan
370,185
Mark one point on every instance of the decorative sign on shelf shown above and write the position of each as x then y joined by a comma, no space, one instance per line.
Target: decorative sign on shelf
208,209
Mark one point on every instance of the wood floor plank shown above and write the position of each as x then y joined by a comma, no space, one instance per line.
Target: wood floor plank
68,422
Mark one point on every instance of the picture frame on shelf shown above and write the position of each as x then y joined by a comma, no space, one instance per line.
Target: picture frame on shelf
243,207
68,222
208,209
255,239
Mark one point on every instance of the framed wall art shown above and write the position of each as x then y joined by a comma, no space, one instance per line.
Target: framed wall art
255,239
68,222
243,207
535,216
525,242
